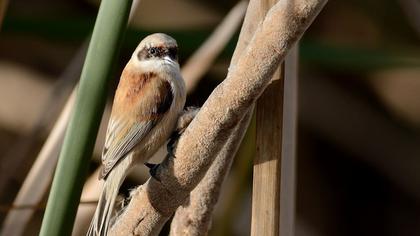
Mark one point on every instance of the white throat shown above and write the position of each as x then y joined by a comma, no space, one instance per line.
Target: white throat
159,64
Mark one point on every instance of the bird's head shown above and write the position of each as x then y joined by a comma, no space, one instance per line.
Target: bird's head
156,50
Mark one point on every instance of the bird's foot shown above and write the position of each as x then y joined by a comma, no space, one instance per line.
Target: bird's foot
171,144
153,170
183,121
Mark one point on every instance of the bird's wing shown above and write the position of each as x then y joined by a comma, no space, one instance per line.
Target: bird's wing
138,107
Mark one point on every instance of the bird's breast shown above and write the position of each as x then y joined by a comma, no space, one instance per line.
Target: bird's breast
144,95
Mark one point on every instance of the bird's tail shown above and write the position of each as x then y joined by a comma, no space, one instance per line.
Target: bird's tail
101,220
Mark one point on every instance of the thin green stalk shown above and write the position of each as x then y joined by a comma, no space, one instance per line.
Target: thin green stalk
83,127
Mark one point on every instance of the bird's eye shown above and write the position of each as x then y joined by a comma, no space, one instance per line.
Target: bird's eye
153,51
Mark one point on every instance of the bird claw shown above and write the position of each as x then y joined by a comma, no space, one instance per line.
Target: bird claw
183,121
171,144
153,170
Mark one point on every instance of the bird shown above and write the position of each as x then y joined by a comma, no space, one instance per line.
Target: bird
149,98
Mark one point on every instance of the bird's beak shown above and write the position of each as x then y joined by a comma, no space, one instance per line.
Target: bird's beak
167,58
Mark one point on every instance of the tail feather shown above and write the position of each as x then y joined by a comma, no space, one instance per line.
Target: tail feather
101,220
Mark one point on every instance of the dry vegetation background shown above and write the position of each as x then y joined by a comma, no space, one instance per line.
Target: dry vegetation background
359,106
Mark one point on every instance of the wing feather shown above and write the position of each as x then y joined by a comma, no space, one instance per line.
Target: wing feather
136,111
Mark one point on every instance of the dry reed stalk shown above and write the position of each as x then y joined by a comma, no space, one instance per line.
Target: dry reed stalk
265,217
267,163
288,162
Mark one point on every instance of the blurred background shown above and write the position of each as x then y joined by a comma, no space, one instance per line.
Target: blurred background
358,168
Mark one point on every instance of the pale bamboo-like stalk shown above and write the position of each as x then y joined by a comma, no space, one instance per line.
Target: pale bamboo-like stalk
288,161
155,201
265,218
274,178
267,163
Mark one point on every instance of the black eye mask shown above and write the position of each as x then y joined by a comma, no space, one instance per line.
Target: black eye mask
158,52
